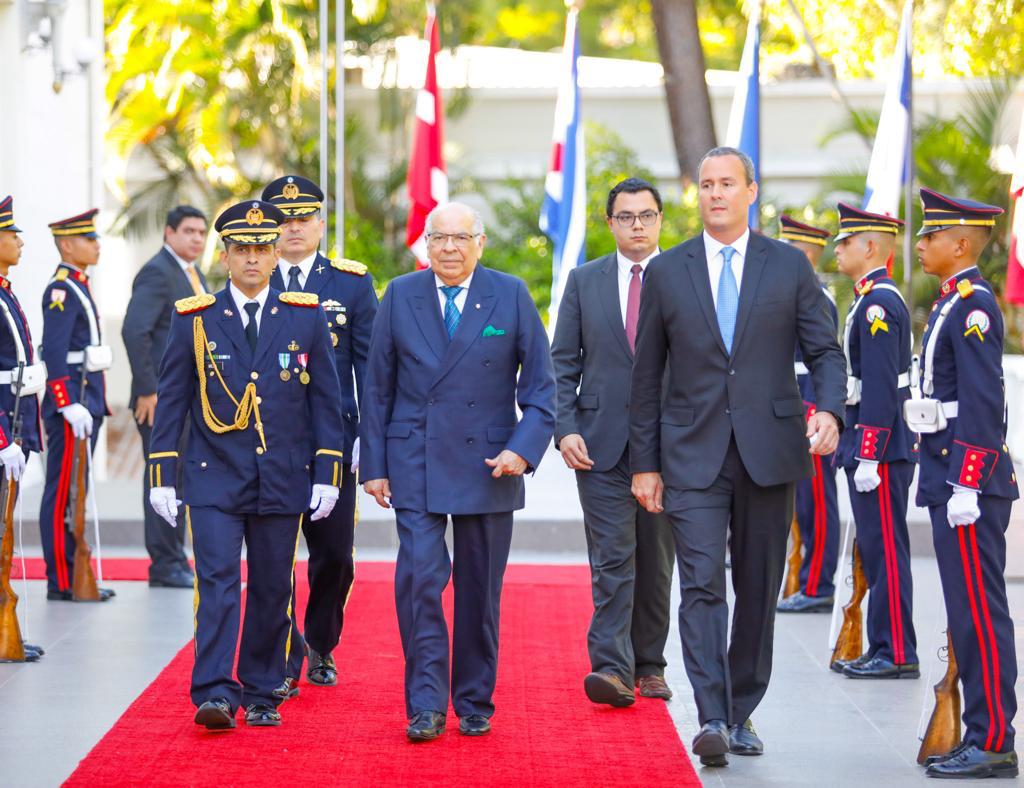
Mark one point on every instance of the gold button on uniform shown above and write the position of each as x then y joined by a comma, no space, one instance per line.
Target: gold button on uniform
259,450
945,452
254,375
259,400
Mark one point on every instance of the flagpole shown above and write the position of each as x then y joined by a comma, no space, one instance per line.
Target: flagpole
908,187
339,127
324,89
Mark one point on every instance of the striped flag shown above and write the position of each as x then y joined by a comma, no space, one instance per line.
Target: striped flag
427,180
744,130
1014,293
563,215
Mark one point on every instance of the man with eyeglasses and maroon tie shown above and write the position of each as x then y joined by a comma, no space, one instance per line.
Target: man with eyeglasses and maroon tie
631,549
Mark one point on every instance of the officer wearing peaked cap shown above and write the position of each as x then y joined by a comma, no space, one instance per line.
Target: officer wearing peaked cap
878,452
75,403
251,368
817,507
967,478
345,289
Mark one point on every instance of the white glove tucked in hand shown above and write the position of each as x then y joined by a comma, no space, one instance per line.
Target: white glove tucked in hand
866,477
78,416
962,508
13,459
355,456
322,501
165,503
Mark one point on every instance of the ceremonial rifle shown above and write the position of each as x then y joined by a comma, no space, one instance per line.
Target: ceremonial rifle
793,561
943,733
850,643
84,587
12,648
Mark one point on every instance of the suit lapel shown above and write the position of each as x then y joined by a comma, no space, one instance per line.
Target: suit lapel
271,322
478,308
276,280
609,293
697,266
230,323
426,312
753,266
318,275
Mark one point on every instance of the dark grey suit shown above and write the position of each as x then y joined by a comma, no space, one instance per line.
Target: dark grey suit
630,549
729,440
147,321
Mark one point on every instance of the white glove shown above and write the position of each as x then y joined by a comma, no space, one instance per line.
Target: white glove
323,500
355,456
13,459
866,477
962,508
79,418
165,503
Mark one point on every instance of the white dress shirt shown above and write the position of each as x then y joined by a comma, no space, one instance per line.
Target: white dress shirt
625,266
241,299
304,268
713,249
460,299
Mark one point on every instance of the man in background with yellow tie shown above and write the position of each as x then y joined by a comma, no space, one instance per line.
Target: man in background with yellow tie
170,275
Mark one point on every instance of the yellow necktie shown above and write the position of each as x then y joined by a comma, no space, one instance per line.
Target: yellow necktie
193,277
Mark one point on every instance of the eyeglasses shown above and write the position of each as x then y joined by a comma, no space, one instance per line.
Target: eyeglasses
647,218
461,240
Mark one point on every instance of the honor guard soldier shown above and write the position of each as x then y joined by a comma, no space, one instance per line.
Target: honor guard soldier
345,290
75,403
251,369
817,507
967,479
21,379
878,452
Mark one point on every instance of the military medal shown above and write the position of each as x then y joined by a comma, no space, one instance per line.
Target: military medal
284,359
303,359
334,339
341,319
293,346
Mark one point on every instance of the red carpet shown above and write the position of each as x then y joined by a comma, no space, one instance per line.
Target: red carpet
545,731
113,569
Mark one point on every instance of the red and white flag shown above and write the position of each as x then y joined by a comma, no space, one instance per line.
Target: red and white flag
1014,292
427,180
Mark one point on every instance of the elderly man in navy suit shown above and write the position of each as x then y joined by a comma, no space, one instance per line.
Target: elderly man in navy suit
453,350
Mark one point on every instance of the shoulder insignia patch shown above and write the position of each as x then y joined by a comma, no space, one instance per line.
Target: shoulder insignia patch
977,324
865,288
349,267
964,288
61,275
195,303
299,299
875,315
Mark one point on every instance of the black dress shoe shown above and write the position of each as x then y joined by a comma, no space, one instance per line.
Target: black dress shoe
945,756
289,689
712,743
801,603
38,649
840,664
178,579
425,725
262,715
216,715
321,669
971,763
744,741
67,596
474,725
879,668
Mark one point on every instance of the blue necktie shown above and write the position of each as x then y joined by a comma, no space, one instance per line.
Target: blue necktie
728,298
452,315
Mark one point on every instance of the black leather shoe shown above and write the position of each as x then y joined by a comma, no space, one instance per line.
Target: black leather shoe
262,715
178,579
38,649
840,664
67,596
289,689
879,668
971,763
945,756
216,715
744,741
474,725
425,725
321,669
712,743
801,603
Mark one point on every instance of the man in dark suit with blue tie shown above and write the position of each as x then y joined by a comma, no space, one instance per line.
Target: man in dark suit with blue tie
721,445
454,349
171,274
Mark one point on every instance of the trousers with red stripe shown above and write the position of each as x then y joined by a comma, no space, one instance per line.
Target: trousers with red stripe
972,560
817,515
55,517
884,543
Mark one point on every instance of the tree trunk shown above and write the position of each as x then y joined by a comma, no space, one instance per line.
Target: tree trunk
686,88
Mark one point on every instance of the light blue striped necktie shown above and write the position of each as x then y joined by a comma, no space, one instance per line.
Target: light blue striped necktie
452,315
728,298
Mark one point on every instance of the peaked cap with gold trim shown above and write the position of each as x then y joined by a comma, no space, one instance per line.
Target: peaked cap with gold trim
798,232
250,223
84,225
854,220
942,212
294,195
7,215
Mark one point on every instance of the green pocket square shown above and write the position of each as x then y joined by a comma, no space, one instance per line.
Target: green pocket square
491,331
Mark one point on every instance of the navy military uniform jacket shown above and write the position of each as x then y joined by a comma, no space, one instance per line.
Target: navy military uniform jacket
879,350
346,293
301,422
70,323
803,377
13,318
971,452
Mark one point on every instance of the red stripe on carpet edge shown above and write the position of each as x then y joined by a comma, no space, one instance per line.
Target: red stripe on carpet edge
545,730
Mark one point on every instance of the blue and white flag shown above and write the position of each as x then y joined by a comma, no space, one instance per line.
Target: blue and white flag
563,215
890,163
744,130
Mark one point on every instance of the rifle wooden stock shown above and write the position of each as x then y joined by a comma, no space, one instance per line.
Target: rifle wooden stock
943,733
793,561
11,647
83,586
850,643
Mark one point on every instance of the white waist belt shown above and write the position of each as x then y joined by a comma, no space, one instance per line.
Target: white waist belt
951,409
76,357
800,368
902,382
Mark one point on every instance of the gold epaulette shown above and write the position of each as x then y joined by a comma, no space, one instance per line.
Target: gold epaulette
299,299
349,267
194,303
964,288
61,275
865,288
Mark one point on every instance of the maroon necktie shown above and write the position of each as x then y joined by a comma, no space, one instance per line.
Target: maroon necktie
633,306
